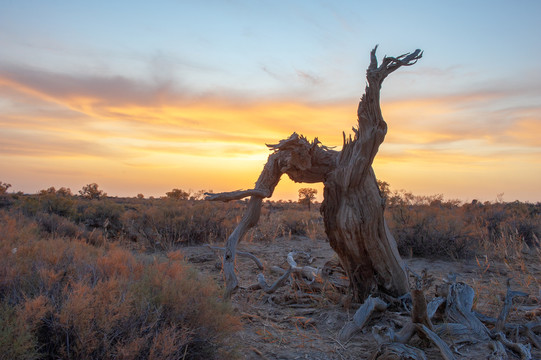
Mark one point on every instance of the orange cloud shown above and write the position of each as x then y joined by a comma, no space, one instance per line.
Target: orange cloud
159,137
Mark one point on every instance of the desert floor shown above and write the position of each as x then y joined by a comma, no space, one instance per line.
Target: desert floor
290,325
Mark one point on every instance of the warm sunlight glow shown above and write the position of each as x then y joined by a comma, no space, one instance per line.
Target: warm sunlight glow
178,102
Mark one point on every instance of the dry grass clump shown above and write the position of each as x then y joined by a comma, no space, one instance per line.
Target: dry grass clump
158,224
287,220
63,298
424,226
169,223
432,231
428,226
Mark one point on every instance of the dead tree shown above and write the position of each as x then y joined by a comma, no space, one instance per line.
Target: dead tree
352,208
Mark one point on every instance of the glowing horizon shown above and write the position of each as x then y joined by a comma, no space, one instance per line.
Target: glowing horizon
125,106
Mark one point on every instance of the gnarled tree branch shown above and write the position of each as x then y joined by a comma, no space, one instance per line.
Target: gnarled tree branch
352,207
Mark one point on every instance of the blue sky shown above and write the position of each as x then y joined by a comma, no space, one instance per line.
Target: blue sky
147,96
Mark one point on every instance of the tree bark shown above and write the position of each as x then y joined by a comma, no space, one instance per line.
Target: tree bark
353,207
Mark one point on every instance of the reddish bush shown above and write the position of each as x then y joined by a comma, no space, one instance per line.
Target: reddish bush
66,299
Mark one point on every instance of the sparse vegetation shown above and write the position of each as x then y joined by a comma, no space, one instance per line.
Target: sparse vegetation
306,196
92,191
178,194
422,225
4,187
86,277
63,298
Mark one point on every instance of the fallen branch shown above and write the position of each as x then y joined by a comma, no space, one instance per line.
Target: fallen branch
534,326
458,332
270,289
241,253
307,272
398,351
445,351
237,195
384,335
362,315
498,350
433,306
509,296
419,314
534,339
522,350
458,310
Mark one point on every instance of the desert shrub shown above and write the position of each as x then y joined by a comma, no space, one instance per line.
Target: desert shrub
5,198
57,225
429,226
288,220
50,201
28,205
509,219
92,191
16,228
181,222
5,201
178,194
431,231
57,202
16,338
529,230
432,227
66,299
4,187
102,214
294,222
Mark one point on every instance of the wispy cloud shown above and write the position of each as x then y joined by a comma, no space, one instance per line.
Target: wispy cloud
54,115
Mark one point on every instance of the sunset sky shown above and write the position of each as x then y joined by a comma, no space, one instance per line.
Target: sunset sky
147,96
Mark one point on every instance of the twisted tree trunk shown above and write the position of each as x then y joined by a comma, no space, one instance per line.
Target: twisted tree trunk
353,207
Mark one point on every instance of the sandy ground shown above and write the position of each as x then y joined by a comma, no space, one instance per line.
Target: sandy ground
284,326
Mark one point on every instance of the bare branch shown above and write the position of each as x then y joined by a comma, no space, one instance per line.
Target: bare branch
522,350
459,304
398,351
509,296
362,315
237,195
433,306
440,344
242,254
270,289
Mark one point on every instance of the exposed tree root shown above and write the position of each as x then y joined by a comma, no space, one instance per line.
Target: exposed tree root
461,326
522,350
362,315
398,351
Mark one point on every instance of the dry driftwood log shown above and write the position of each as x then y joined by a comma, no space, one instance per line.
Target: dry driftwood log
352,208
